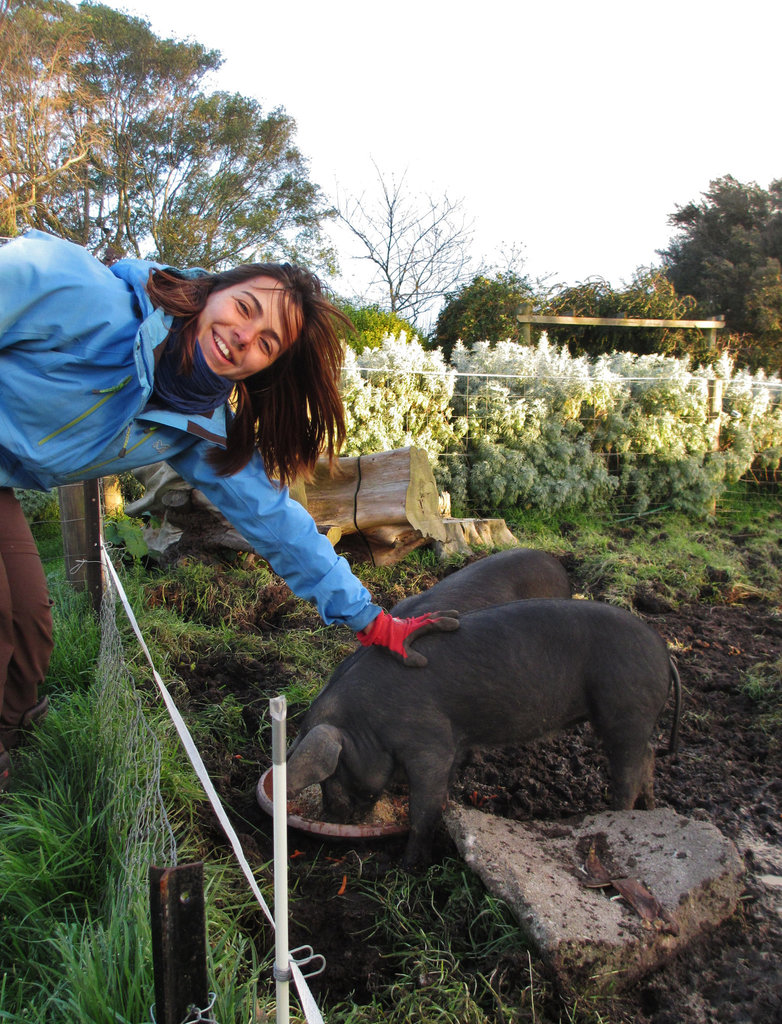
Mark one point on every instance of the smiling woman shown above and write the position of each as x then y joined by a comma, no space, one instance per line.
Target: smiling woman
269,330
232,378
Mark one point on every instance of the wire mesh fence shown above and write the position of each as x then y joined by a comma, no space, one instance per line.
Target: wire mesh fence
452,413
668,435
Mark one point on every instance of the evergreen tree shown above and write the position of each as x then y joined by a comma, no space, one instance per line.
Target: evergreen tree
486,309
727,253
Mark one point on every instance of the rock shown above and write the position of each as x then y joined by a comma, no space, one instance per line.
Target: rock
590,942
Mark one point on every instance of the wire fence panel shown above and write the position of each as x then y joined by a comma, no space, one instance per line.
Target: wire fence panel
621,432
572,434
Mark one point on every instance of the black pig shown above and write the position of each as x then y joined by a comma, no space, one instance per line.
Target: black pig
511,673
511,575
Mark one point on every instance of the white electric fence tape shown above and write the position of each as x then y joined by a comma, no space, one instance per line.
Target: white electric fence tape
311,1011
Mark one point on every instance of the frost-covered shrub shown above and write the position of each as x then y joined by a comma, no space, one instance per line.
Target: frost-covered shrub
660,406
398,395
499,477
451,473
752,421
658,433
509,425
528,402
552,472
647,417
688,483
568,473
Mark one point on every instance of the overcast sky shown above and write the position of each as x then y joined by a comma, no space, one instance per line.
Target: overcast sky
571,129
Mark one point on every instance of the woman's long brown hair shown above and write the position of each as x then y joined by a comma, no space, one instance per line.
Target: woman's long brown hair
292,411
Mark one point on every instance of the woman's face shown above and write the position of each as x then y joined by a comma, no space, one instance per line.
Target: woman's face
241,329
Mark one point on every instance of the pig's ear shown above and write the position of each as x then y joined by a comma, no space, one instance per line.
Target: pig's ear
314,758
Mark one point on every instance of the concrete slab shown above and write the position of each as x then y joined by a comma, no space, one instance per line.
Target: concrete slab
592,940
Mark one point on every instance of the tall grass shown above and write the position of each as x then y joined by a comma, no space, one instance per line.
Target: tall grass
76,930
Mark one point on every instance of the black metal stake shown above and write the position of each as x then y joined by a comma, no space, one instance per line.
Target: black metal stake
176,900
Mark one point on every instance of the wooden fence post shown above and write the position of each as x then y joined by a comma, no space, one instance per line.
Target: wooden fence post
80,524
714,404
526,326
176,900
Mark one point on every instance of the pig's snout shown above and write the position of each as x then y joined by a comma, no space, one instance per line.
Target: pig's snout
344,804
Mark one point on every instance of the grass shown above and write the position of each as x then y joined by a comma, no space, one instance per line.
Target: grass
764,685
74,909
727,557
448,941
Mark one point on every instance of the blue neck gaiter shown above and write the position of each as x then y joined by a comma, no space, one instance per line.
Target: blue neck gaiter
201,392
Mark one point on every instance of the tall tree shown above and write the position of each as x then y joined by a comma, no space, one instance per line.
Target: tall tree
727,253
140,159
47,140
417,244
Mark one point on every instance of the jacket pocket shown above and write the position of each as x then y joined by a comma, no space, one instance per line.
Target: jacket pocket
105,393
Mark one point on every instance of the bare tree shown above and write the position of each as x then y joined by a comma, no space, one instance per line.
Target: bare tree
418,244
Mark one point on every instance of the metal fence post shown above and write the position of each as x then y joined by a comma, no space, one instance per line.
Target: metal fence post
176,900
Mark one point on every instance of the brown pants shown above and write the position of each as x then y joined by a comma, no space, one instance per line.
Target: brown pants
25,614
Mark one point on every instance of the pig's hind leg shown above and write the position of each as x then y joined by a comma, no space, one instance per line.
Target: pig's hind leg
625,725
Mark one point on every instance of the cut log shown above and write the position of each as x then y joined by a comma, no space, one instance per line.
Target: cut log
377,490
383,545
375,507
385,504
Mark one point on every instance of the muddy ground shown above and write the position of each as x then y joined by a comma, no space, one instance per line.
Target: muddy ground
727,773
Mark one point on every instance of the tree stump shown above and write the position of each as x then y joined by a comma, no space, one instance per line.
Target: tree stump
462,536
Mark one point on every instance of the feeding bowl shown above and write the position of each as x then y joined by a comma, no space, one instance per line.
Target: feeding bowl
361,830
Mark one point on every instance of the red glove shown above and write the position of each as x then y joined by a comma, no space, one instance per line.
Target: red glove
396,635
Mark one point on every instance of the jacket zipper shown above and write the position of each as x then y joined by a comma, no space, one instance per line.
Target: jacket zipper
120,455
106,392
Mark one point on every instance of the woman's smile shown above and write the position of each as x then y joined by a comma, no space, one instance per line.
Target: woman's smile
241,330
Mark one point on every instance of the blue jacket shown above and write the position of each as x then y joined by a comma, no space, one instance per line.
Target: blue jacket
77,342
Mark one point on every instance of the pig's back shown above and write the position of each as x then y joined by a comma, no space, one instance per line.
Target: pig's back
510,672
513,575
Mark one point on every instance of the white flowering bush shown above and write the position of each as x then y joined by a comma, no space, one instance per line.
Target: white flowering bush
752,416
510,425
658,434
398,395
523,410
